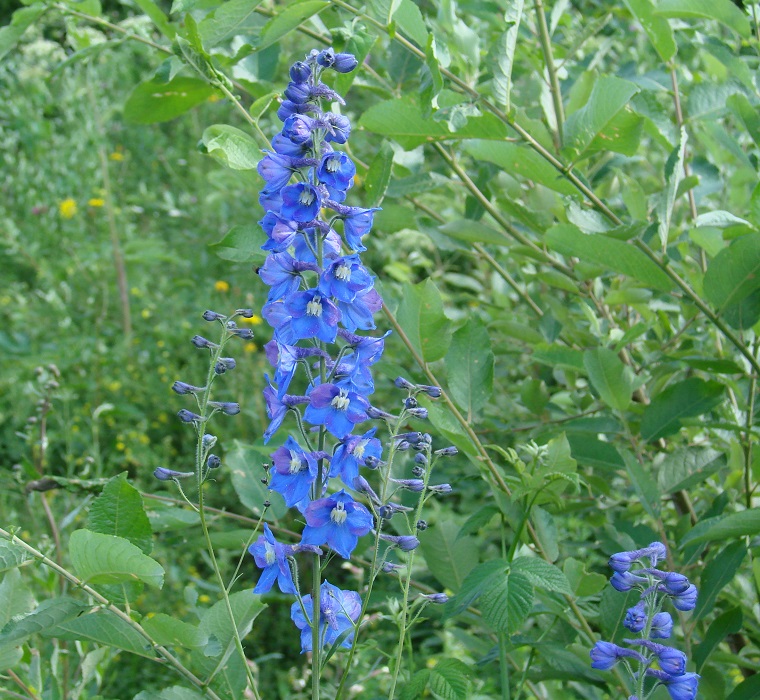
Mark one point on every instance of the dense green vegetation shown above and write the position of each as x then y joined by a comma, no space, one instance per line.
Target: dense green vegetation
568,246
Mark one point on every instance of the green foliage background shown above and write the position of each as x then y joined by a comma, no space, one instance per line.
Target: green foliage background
569,246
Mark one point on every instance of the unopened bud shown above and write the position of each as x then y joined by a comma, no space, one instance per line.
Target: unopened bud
209,315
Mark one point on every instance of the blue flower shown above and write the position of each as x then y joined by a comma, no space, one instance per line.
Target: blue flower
312,315
280,232
352,453
358,313
622,560
683,687
605,655
345,278
337,521
293,472
338,127
685,600
277,408
338,612
636,617
672,661
300,202
335,408
282,272
662,626
336,170
271,556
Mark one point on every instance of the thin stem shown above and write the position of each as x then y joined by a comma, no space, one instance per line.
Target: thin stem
546,48
245,113
749,420
680,122
78,583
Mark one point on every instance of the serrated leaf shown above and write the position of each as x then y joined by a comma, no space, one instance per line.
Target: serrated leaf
404,121
724,527
15,597
416,685
450,679
469,363
673,176
723,11
154,101
99,558
449,558
242,244
734,273
687,467
22,19
506,602
504,55
542,574
167,630
102,627
47,614
379,175
11,555
608,98
656,27
615,255
291,17
119,511
232,147
609,376
686,399
422,319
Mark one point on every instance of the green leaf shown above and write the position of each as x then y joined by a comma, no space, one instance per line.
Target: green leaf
175,692
506,602
471,231
559,356
747,114
102,627
289,19
99,558
169,631
23,18
608,98
15,597
687,467
119,511
724,527
158,17
9,657
619,256
229,20
379,175
423,321
748,689
242,244
520,161
720,219
583,583
717,574
723,11
656,27
154,101
244,464
542,574
673,175
469,363
686,399
504,55
47,614
11,555
734,273
729,622
609,377
449,558
404,121
450,679
406,17
612,610
245,605
644,484
232,147
414,688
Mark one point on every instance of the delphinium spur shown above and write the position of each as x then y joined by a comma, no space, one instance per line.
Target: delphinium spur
320,295
637,570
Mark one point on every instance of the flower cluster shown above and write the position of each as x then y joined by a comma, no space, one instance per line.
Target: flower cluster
649,621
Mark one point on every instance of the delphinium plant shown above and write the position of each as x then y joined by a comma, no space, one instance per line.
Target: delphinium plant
648,662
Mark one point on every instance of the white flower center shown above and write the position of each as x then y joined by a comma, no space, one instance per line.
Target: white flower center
341,401
295,463
314,307
343,272
332,165
306,197
359,449
269,554
338,514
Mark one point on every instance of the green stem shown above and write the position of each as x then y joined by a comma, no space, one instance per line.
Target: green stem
78,583
546,48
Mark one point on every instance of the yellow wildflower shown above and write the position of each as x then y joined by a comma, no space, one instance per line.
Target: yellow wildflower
255,320
68,208
118,157
96,202
222,286
214,98
203,598
250,347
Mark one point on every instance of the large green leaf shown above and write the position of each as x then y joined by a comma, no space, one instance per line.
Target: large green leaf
423,321
291,17
47,614
717,574
619,256
450,679
379,175
449,558
102,627
686,399
520,161
23,18
506,602
610,377
723,11
404,121
608,98
657,28
729,622
740,105
15,597
99,558
542,574
170,631
119,511
231,146
242,244
734,273
724,527
245,606
230,19
154,101
688,466
469,363
504,55
11,555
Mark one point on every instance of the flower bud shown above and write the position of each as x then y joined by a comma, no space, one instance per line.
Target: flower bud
244,333
209,441
344,62
245,313
447,451
421,525
404,542
188,416
200,342
224,364
164,474
433,392
415,485
418,471
209,315
420,459
300,72
402,383
229,408
213,462
440,488
421,413
411,402
182,388
438,598
373,412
